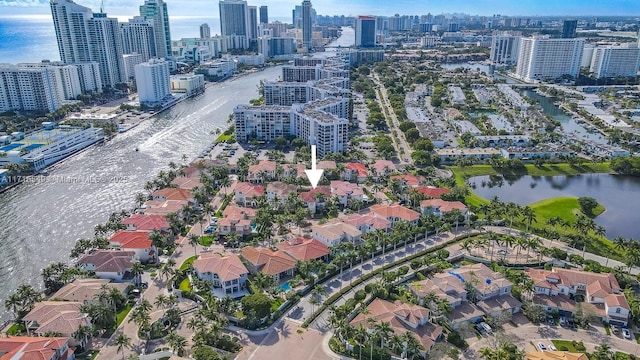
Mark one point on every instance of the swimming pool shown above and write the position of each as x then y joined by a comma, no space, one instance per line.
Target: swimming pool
32,146
285,287
11,146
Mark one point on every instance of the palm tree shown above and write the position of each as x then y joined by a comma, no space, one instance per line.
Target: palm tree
383,330
14,304
529,216
161,301
82,334
361,336
177,343
412,346
122,341
194,240
137,270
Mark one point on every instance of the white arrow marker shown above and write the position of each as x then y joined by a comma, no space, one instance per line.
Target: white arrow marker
314,174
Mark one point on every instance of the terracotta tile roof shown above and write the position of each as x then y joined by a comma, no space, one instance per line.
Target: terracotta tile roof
281,190
444,206
554,355
409,180
448,285
147,222
188,183
296,170
249,190
267,261
393,211
383,166
503,302
192,171
327,165
598,289
336,230
397,314
359,169
372,220
304,249
310,196
432,192
81,290
131,239
113,261
599,283
344,188
237,212
264,165
31,348
164,207
173,194
559,301
60,317
228,266
617,300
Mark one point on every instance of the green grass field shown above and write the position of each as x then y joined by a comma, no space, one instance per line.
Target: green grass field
565,207
122,314
187,263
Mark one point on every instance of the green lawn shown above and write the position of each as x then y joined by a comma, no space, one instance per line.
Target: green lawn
565,207
187,263
122,314
224,137
207,240
530,169
569,345
185,285
17,329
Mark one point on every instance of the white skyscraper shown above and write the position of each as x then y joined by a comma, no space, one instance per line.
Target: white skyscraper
105,45
542,58
153,81
156,10
67,77
504,49
615,61
138,36
130,62
29,88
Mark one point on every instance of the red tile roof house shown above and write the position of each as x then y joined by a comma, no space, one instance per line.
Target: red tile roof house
279,191
226,272
556,289
315,202
432,192
408,180
187,183
354,172
60,317
278,264
141,222
293,171
263,171
330,169
395,213
109,264
368,222
174,194
35,348
402,318
164,207
345,191
439,207
136,241
332,234
381,168
305,249
246,194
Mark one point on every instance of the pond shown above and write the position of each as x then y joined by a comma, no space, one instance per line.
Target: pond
619,194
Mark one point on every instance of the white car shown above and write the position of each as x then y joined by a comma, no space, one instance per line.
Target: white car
541,347
485,327
626,333
552,347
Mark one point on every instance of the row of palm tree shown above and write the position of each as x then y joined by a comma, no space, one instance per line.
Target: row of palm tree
488,242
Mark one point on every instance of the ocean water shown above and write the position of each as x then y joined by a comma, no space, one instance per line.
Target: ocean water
32,38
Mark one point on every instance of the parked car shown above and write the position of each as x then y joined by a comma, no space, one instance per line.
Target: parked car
485,327
552,347
626,333
541,347
615,329
209,229
563,321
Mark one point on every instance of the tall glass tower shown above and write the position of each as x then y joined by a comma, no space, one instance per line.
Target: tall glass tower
306,24
156,10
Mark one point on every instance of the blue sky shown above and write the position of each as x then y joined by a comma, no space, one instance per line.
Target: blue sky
282,8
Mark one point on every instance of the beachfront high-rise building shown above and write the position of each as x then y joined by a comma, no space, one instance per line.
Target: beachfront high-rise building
541,57
153,81
130,62
28,88
233,18
613,61
138,36
504,49
296,15
70,23
252,22
264,14
156,10
569,28
205,31
366,31
105,44
307,24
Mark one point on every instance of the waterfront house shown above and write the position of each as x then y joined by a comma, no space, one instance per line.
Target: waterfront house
226,272
269,262
35,348
187,183
354,172
163,208
381,168
333,233
85,290
303,249
174,194
142,222
316,199
109,264
562,288
346,191
265,170
394,213
402,318
56,317
439,207
136,241
247,193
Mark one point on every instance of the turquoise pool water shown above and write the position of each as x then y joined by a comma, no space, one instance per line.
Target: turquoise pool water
285,287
